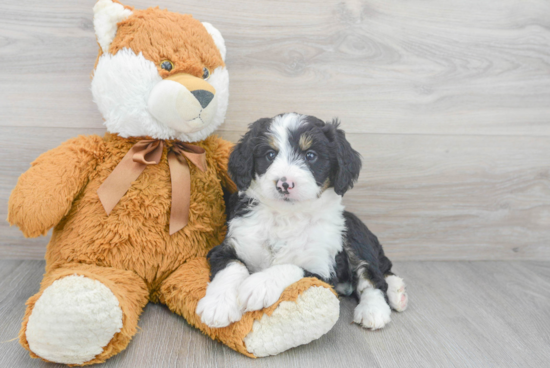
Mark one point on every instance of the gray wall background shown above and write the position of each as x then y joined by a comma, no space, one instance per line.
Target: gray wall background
448,102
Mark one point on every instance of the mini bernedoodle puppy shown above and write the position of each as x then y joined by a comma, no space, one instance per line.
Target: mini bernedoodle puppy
287,222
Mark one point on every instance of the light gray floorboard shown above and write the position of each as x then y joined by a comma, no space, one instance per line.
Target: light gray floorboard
461,314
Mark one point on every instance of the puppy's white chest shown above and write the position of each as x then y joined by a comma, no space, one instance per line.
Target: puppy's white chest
308,245
309,239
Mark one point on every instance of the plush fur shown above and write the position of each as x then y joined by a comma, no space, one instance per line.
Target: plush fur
107,15
65,304
115,264
129,69
287,222
288,326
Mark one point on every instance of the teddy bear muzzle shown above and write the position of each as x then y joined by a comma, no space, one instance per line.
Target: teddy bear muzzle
183,102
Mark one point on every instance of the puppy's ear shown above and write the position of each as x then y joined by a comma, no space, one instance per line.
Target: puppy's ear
348,161
241,160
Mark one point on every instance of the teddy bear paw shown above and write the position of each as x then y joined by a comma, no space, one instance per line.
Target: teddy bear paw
73,320
294,323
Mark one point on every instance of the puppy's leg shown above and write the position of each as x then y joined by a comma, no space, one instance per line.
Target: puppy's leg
263,289
397,293
220,306
373,311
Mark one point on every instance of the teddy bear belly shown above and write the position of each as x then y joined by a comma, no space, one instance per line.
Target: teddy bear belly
135,235
151,254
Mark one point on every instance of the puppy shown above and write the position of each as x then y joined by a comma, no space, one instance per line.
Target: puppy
287,222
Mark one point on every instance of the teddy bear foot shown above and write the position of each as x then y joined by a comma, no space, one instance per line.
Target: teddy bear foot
292,324
73,320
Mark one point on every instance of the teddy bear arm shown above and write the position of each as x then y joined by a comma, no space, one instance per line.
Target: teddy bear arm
44,193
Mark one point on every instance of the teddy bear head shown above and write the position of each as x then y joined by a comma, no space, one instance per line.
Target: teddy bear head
158,74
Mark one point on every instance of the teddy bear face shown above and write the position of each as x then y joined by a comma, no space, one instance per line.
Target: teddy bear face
158,74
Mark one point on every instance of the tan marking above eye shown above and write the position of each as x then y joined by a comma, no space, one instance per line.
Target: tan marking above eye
305,142
272,142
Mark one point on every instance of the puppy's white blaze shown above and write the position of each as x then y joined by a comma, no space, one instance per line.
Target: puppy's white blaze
220,307
282,125
287,164
121,87
279,130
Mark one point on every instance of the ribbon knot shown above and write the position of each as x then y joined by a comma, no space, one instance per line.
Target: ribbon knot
149,152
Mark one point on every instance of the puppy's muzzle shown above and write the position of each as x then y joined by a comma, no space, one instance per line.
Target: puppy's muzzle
284,186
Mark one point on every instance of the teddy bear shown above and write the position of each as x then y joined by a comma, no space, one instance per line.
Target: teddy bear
135,212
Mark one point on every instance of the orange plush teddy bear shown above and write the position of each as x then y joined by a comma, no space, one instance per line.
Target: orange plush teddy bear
135,212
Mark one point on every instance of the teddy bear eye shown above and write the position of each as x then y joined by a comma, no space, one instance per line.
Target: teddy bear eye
205,73
166,65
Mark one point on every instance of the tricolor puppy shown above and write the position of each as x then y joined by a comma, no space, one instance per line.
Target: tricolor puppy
287,222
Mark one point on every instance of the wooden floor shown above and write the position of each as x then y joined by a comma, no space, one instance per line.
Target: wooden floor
461,314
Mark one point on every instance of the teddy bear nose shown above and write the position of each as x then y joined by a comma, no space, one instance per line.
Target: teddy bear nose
204,97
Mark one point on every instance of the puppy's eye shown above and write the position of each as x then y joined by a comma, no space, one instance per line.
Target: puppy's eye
205,73
311,156
270,156
167,65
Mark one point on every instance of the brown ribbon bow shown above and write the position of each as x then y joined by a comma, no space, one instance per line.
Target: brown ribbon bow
149,152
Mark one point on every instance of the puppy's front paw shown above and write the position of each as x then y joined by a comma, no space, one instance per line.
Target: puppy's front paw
219,310
372,312
259,291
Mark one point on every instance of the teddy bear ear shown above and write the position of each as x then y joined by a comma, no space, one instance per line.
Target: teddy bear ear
107,14
217,36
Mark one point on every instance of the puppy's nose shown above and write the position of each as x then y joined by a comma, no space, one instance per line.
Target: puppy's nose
204,97
284,185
